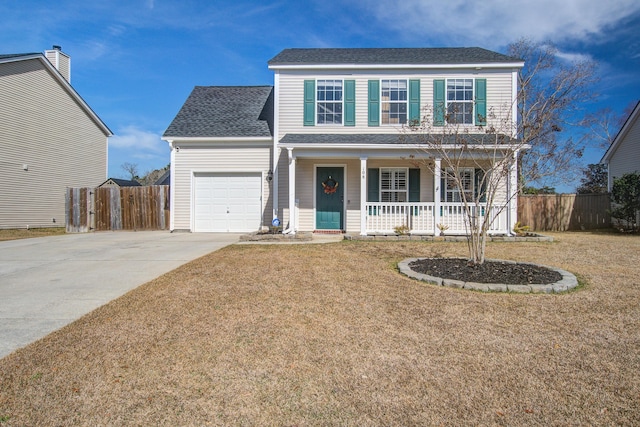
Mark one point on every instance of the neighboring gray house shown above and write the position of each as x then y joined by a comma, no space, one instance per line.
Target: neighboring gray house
49,137
320,150
117,182
623,156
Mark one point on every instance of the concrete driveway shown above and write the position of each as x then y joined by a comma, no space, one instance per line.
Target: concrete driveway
48,282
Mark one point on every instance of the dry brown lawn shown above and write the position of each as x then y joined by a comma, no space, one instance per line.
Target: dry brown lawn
23,233
307,335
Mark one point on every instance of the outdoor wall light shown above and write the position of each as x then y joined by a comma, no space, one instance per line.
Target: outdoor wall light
270,175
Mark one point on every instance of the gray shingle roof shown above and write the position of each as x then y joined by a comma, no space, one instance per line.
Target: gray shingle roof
372,138
427,56
225,111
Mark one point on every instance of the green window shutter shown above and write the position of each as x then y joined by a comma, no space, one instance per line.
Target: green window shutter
480,185
481,102
414,185
309,102
443,187
414,102
374,103
373,185
438,102
349,102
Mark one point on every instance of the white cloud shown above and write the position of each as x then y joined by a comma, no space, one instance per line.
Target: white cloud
138,142
495,23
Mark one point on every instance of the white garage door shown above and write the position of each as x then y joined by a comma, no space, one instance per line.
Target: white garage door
228,202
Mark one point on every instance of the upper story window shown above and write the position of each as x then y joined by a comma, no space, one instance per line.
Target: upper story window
329,102
394,102
460,101
393,185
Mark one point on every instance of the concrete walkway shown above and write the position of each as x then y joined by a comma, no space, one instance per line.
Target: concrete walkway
48,282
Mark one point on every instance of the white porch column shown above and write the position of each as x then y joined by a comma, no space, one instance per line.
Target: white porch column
292,192
437,191
363,196
512,193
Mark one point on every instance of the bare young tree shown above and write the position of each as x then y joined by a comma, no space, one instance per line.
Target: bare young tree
131,169
553,92
550,93
478,163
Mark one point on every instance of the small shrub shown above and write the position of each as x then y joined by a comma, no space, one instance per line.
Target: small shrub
402,230
521,229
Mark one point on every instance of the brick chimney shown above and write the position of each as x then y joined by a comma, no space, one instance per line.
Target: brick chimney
60,60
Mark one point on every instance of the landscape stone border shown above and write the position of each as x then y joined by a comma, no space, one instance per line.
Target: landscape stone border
530,237
568,281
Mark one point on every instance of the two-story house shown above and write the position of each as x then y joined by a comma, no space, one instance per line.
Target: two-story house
324,149
50,139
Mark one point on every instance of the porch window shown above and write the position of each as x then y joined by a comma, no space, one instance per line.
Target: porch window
329,102
452,192
393,185
394,102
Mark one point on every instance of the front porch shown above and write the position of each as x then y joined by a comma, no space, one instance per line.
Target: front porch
429,218
382,195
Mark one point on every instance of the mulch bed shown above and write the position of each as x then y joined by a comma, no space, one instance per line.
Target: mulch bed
489,272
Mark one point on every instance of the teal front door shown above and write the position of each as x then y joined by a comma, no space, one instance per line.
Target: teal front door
330,198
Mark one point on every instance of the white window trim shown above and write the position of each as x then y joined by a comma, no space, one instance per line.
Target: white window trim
471,101
406,102
334,102
405,191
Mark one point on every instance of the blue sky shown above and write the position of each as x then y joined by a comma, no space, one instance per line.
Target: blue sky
136,61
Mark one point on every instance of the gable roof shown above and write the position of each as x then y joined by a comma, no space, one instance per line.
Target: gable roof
391,56
165,179
224,111
6,58
633,117
121,182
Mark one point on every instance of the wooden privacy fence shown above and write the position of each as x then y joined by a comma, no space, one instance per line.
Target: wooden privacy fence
117,208
564,212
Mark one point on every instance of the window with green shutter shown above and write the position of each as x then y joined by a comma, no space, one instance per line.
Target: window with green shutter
414,102
374,103
349,102
309,102
481,102
438,103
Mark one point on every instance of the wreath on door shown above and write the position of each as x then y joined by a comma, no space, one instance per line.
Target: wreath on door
330,185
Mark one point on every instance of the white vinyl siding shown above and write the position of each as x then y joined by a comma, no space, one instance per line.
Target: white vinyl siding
291,95
44,128
203,157
626,158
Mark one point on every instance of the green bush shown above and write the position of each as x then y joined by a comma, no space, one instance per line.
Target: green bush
626,197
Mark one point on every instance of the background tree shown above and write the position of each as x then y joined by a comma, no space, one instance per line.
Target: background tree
131,170
594,180
625,194
152,176
542,190
553,93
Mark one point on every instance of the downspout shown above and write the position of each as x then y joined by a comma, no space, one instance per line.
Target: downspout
292,188
276,152
172,186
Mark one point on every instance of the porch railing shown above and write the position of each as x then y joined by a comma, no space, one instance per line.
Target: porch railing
420,218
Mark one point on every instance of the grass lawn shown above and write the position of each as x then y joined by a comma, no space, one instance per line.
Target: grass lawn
23,233
307,335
